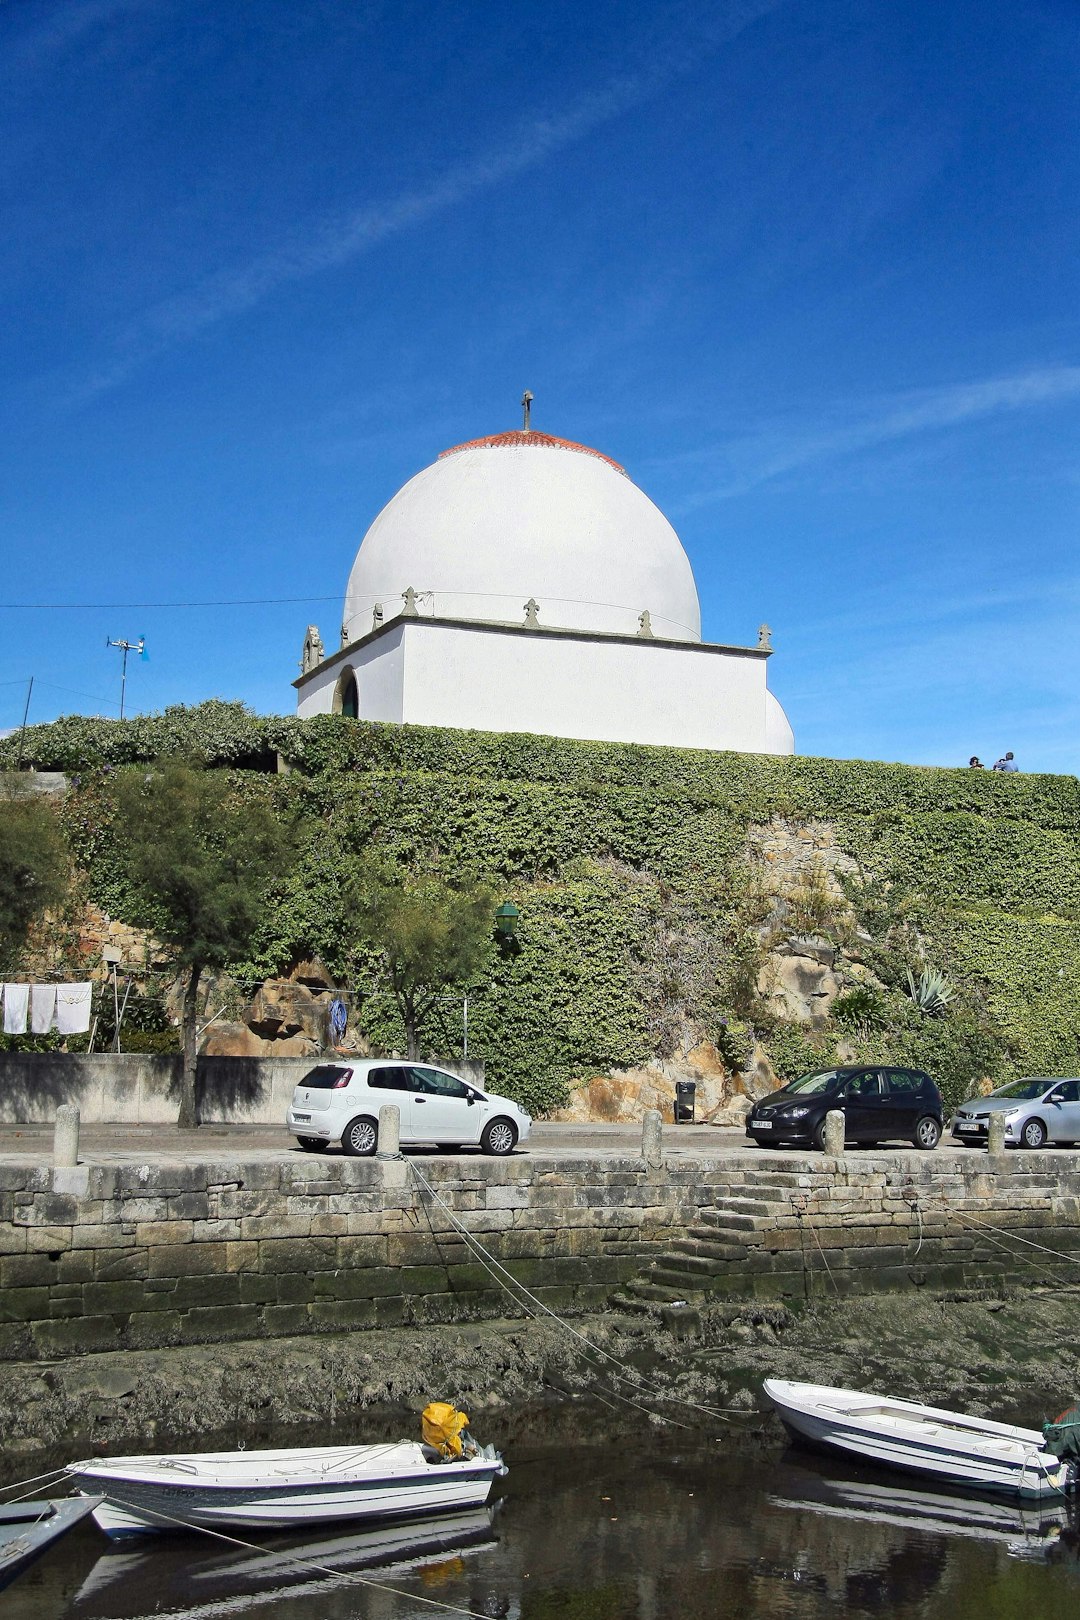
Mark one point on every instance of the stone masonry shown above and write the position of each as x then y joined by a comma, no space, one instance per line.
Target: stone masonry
118,1256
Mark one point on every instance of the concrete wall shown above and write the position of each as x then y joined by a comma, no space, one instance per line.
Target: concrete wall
114,1256
131,1088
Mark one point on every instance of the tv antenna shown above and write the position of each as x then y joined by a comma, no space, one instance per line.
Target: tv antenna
126,647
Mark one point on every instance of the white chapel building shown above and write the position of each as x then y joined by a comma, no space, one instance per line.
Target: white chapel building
525,583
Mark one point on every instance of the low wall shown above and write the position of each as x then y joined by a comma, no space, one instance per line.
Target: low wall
115,1256
132,1088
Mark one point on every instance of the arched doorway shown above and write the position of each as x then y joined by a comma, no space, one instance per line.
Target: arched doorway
347,696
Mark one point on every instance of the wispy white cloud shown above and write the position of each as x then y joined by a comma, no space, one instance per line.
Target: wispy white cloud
321,245
750,460
59,29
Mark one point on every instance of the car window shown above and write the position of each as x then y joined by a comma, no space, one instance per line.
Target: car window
437,1084
1022,1090
1068,1091
902,1082
389,1079
867,1084
326,1077
809,1085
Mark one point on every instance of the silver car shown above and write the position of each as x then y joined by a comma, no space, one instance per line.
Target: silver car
1036,1112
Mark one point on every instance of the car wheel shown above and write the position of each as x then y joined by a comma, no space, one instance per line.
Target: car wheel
927,1133
311,1144
1033,1134
360,1138
818,1137
499,1137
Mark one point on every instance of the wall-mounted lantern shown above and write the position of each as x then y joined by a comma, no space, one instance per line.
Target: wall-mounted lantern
506,921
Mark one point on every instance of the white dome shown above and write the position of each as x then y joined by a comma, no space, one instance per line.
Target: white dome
779,737
522,515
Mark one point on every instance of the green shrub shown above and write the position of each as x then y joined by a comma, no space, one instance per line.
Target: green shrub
862,1007
630,868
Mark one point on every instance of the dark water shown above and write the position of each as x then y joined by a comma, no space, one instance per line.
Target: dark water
639,1529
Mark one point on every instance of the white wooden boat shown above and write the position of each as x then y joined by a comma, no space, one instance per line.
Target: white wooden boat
27,1529
283,1489
945,1446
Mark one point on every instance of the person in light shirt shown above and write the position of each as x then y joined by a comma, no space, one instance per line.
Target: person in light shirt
1007,763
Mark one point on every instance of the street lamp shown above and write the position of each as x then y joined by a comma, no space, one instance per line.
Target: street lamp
506,921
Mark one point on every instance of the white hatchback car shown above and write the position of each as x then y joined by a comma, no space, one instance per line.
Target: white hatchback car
340,1102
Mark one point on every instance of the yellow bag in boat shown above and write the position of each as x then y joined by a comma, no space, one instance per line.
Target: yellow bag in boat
442,1427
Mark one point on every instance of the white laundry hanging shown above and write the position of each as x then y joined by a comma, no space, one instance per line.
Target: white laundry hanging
42,1008
16,997
73,1008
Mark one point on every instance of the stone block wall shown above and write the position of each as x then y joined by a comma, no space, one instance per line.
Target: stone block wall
126,1256
870,1223
107,1257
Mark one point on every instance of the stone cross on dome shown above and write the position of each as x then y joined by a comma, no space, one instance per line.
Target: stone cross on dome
526,406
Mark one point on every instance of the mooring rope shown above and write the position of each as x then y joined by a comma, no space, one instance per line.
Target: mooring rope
17,1485
536,1307
301,1563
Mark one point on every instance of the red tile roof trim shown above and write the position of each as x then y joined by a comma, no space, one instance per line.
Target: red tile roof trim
542,441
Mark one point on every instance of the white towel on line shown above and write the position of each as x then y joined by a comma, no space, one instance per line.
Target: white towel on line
42,1008
16,997
73,1008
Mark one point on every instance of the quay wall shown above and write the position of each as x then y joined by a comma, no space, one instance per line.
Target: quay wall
137,1088
114,1256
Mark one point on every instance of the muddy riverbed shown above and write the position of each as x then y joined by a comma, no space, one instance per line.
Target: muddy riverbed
1014,1356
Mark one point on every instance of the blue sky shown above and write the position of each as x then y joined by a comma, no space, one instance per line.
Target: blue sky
807,269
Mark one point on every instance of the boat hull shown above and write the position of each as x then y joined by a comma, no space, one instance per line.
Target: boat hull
28,1529
135,1505
942,1446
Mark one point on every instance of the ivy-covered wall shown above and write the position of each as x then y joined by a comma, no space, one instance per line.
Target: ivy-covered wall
640,904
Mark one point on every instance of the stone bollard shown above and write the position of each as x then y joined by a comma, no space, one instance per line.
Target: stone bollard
834,1132
652,1139
995,1132
389,1131
66,1137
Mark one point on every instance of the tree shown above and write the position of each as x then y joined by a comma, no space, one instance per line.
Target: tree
429,933
34,868
200,859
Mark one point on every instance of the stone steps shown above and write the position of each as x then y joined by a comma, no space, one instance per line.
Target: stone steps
646,1292
732,1220
754,1207
700,1265
712,1248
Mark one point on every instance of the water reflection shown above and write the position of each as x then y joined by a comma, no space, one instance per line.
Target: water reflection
185,1577
639,1528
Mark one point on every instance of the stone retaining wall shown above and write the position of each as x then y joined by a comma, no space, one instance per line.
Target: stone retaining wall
105,1257
866,1224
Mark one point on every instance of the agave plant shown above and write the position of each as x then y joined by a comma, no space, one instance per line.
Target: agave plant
931,991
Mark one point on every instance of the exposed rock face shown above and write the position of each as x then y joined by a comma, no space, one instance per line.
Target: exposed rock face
285,1018
723,1097
233,1040
282,1009
797,849
799,983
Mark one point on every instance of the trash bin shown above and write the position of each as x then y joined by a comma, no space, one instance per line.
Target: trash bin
685,1092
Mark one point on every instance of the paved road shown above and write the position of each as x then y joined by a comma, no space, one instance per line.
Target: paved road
105,1144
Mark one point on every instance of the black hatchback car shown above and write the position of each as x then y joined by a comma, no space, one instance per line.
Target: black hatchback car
879,1105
